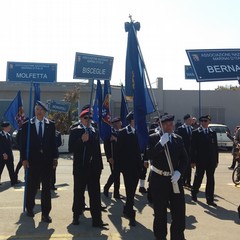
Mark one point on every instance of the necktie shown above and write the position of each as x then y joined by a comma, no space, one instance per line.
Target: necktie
170,138
189,130
40,131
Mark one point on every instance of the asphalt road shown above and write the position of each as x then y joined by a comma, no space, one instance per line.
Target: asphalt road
203,222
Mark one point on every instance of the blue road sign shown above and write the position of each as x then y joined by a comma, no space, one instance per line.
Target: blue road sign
94,67
59,106
31,72
189,74
215,64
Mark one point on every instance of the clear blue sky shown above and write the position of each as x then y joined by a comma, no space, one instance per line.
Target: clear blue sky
53,30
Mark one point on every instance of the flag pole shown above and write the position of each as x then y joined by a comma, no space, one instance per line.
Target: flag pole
166,149
89,112
28,146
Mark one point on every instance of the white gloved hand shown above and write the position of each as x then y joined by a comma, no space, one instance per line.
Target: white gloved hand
175,177
164,139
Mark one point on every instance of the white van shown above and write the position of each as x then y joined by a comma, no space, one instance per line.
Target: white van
222,138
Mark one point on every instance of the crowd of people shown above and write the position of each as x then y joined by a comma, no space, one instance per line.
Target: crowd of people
171,154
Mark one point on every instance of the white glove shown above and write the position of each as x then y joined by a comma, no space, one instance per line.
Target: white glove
175,177
164,139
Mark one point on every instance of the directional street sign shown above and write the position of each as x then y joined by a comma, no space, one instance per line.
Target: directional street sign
31,72
215,64
189,74
95,67
58,106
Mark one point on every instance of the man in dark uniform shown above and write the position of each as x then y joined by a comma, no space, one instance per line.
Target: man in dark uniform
185,131
130,165
112,154
87,168
204,155
6,155
161,180
41,160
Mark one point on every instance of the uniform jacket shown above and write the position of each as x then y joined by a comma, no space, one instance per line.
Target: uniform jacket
204,148
85,154
129,151
177,152
39,153
183,132
5,146
110,147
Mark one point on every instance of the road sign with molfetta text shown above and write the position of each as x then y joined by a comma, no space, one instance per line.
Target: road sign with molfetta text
88,66
215,64
31,72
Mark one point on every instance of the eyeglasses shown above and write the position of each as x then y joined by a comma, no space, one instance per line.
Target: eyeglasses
204,120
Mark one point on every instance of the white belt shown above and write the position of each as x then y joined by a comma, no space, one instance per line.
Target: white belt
160,172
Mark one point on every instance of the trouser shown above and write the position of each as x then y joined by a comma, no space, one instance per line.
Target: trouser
209,191
130,181
91,180
143,173
18,167
188,174
35,175
53,177
113,178
162,195
10,167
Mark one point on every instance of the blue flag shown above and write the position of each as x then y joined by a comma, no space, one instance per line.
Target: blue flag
36,96
106,116
97,107
124,108
15,111
135,82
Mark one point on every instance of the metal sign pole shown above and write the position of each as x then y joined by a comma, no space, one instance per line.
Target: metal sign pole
199,103
28,146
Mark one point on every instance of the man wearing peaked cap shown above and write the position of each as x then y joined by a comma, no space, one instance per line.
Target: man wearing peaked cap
130,165
204,156
162,180
87,167
6,155
43,155
185,131
112,153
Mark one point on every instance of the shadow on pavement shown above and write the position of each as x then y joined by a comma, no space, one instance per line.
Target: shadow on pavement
221,213
27,229
115,215
85,230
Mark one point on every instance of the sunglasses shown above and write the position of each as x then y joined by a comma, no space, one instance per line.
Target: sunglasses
204,120
87,117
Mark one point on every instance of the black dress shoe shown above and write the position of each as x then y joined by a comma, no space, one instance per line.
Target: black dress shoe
105,192
30,214
142,190
117,196
231,168
211,203
53,188
194,197
75,221
46,219
101,225
132,222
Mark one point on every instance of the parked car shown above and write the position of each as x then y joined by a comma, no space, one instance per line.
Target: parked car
222,138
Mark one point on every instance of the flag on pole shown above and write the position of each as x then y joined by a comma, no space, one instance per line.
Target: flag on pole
124,108
106,116
97,107
15,111
136,85
36,96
